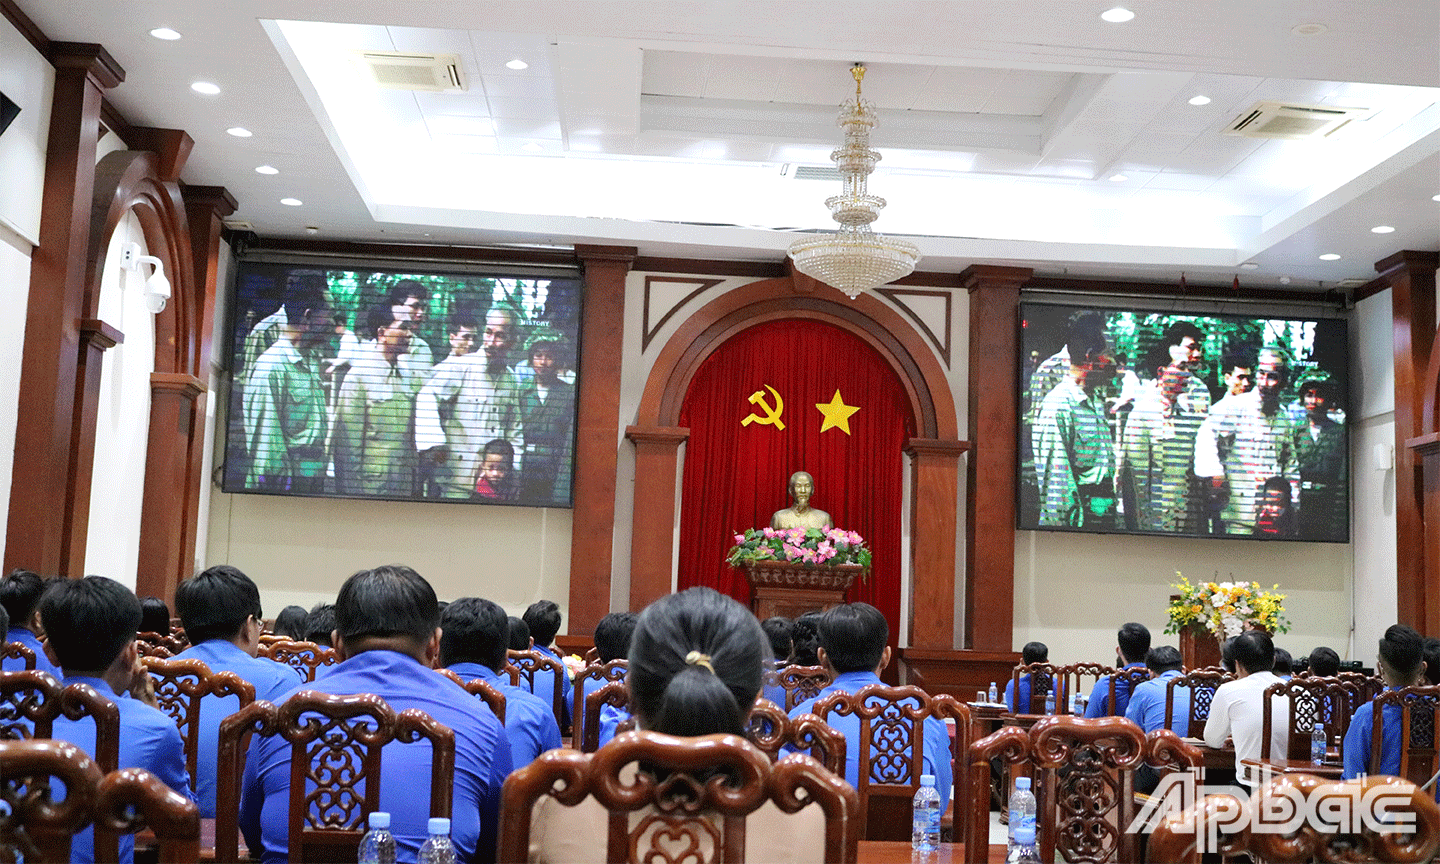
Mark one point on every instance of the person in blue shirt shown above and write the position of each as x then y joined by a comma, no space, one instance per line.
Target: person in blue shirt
543,619
1402,664
20,592
1147,706
612,642
853,647
473,637
1324,663
220,611
1032,652
1134,641
91,625
387,634
781,633
1284,665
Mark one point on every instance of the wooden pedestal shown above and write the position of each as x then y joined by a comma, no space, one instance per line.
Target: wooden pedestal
789,589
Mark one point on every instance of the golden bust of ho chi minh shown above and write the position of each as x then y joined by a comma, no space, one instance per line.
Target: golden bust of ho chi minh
801,514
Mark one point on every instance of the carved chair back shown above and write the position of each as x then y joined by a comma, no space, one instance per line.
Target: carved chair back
39,829
18,651
29,703
335,746
304,657
482,690
172,642
771,730
1202,684
1415,709
524,665
889,749
799,682
594,675
180,686
688,799
1080,678
1326,701
1122,683
615,694
1042,678
1367,687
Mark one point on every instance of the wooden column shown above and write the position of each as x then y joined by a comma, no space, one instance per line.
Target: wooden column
652,526
170,506
990,470
96,337
1425,451
934,517
597,432
38,533
1411,277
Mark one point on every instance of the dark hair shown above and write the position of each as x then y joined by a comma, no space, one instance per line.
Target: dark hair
1432,660
1034,652
462,320
854,636
89,622
20,592
290,623
807,639
4,620
695,663
501,447
1283,662
215,603
1176,333
474,630
543,619
320,623
405,289
1162,659
613,634
1237,360
1087,336
519,634
376,317
1134,641
781,633
1254,651
304,295
154,616
1277,484
553,344
1227,655
1403,649
390,600
1325,388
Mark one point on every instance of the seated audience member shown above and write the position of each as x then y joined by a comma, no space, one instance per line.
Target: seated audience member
613,635
543,619
1134,641
220,611
853,649
781,633
1236,710
1300,665
1432,660
1402,664
1227,655
1147,706
290,623
387,634
91,625
1324,663
320,624
20,593
519,634
807,640
1033,652
473,637
154,616
1283,665
695,669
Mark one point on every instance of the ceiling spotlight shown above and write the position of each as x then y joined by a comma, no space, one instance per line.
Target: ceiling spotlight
1118,15
1249,265
1383,229
1118,178
205,87
267,169
517,64
239,132
1284,280
1435,197
1329,256
1309,29
165,33
291,202
1199,100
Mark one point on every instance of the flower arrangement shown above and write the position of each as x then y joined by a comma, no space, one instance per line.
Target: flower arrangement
811,546
1224,608
574,664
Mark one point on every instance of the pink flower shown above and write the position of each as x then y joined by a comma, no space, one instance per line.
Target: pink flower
739,538
854,538
825,550
769,532
793,551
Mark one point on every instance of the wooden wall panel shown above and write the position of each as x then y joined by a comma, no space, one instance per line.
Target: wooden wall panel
652,526
934,518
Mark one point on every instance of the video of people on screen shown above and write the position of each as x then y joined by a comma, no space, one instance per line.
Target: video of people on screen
363,383
1160,423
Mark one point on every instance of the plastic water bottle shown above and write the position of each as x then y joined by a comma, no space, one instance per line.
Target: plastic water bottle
1022,813
994,695
438,849
925,828
378,844
1317,744
1024,850
1050,701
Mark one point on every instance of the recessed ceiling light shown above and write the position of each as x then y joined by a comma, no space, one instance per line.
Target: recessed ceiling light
1118,15
1249,265
267,169
1118,178
1435,197
1383,229
531,146
1199,100
239,132
165,33
517,64
1329,256
291,202
205,87
1284,280
1309,29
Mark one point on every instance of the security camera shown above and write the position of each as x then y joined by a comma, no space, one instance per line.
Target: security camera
157,287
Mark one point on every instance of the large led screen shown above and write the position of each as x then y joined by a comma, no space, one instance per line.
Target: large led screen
1187,425
402,384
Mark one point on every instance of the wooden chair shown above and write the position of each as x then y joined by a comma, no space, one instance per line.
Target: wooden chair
771,730
1311,700
304,657
1202,827
1130,677
29,703
602,674
171,642
890,747
346,734
1420,741
1202,684
40,829
181,684
692,794
484,690
616,694
801,683
18,651
1367,687
1039,671
1080,678
524,665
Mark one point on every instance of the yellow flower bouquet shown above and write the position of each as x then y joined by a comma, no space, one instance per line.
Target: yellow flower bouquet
1223,608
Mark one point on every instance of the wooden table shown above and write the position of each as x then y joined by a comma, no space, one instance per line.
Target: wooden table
1223,757
899,852
1326,771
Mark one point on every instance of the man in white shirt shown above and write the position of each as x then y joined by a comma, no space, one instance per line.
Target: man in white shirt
1237,710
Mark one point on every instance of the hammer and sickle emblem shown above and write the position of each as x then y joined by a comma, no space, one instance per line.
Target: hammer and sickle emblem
772,415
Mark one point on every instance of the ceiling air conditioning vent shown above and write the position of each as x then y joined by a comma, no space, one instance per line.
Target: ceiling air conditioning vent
1293,122
398,70
816,172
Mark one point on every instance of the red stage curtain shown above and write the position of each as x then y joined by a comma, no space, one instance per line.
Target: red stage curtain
736,475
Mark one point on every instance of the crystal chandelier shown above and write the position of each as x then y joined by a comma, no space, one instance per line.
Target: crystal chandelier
854,258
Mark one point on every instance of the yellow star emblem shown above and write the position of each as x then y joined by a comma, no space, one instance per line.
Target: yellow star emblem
837,414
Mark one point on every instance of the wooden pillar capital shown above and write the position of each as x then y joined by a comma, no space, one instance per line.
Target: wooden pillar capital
171,147
88,58
96,334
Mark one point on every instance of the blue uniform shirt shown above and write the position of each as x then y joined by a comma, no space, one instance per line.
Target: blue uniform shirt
1360,734
545,685
529,722
1147,705
936,744
1024,700
149,739
578,688
1099,704
272,682
482,761
42,663
610,720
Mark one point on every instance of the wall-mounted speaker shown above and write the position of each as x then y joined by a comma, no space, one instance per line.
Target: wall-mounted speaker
8,110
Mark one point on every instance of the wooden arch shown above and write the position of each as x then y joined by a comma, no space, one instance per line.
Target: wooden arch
935,453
